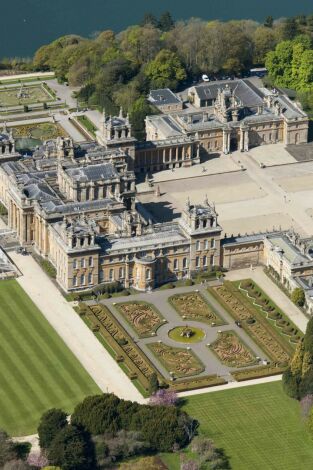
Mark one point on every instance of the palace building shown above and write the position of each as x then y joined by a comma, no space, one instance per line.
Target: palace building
231,115
75,205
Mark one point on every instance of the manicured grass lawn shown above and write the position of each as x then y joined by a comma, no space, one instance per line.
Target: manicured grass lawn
196,334
34,94
259,427
37,369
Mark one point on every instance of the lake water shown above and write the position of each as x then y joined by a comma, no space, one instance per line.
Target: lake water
27,24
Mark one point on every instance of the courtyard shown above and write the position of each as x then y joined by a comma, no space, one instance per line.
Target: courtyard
257,199
199,332
37,369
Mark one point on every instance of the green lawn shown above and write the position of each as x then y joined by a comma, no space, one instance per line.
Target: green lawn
37,369
259,427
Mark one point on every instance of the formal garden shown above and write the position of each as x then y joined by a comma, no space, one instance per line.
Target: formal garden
29,136
193,306
181,349
142,317
232,351
178,362
258,320
25,95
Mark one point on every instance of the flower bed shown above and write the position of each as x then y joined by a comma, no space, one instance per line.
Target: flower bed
142,317
254,322
193,306
231,350
178,361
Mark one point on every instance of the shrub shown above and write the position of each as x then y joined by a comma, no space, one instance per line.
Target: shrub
188,282
298,297
133,376
119,358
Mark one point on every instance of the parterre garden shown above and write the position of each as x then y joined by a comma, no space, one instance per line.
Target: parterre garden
178,362
193,306
41,131
259,317
37,370
255,321
142,317
25,95
231,350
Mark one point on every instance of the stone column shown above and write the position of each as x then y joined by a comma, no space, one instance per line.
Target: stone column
242,140
225,139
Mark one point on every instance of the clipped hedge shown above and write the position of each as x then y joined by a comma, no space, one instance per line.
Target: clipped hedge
258,372
201,382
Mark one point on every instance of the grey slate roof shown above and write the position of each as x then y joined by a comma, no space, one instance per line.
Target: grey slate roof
105,171
162,97
245,91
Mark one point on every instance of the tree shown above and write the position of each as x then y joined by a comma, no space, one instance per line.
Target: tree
71,450
269,21
153,383
289,29
298,296
164,397
306,404
165,71
51,423
278,64
98,414
264,41
166,22
149,18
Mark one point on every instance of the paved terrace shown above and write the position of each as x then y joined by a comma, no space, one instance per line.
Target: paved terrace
250,201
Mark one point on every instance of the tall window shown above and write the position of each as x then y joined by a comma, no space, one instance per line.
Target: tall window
206,244
101,276
74,263
212,260
90,261
121,273
198,245
175,264
89,278
75,281
212,242
185,263
82,263
148,274
111,275
197,262
205,261
82,280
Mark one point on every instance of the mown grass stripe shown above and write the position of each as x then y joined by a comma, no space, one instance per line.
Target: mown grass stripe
50,342
37,351
23,369
29,344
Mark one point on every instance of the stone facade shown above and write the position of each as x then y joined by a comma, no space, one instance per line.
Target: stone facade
232,115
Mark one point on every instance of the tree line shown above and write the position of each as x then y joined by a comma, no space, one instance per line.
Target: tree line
105,430
118,70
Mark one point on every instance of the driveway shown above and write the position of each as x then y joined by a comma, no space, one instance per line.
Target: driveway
76,335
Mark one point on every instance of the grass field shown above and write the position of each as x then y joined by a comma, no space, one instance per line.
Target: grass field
259,427
37,369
